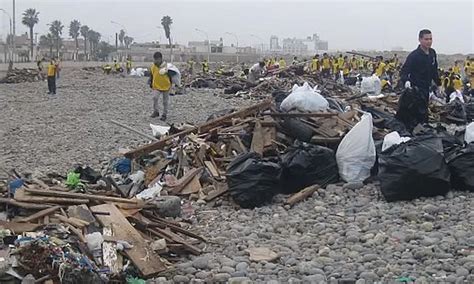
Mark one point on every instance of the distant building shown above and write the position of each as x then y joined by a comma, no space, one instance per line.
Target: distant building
274,46
216,46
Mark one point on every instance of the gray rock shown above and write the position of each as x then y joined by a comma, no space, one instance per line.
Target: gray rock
319,209
316,279
309,268
202,274
221,277
430,208
227,269
201,262
241,266
461,271
368,275
190,270
180,279
427,226
168,206
369,257
239,280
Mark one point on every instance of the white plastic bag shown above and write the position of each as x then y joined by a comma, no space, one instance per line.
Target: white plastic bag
176,77
469,134
159,130
393,138
305,99
355,155
371,85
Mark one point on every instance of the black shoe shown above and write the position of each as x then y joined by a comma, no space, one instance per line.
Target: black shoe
163,118
155,114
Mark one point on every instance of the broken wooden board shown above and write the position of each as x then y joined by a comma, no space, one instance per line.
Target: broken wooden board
81,212
257,139
146,261
19,228
40,214
79,195
177,187
22,195
152,172
194,186
25,205
212,169
199,129
222,188
302,195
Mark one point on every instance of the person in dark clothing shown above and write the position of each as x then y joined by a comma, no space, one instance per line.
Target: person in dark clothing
418,73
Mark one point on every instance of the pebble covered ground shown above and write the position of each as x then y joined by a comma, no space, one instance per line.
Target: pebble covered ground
339,235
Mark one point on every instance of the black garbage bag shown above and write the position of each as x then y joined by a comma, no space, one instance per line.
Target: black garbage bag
279,96
253,180
88,174
414,169
233,89
297,129
412,108
469,107
461,165
306,164
456,112
388,121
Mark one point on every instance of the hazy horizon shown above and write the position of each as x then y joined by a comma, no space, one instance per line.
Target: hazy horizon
345,25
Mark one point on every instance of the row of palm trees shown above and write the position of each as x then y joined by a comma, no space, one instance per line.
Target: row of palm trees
53,38
91,37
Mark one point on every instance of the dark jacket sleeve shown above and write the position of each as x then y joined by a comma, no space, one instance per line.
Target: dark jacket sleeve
435,72
406,69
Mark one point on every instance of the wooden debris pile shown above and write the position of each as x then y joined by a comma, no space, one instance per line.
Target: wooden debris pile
22,75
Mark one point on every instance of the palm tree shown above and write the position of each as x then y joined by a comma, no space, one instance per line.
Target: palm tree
47,41
56,29
74,28
166,22
121,37
85,34
128,41
30,19
94,38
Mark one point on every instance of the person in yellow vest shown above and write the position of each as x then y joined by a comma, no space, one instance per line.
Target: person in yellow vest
395,60
354,63
128,65
325,66
272,61
160,83
361,64
282,63
346,67
380,69
205,66
52,68
456,68
117,67
457,82
391,67
315,66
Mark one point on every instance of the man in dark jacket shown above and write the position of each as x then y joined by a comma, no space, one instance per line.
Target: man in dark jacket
418,73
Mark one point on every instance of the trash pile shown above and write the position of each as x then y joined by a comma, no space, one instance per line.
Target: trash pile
22,75
84,226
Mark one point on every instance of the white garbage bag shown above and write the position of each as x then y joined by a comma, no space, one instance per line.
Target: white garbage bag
305,99
175,74
469,134
371,85
393,138
159,130
355,155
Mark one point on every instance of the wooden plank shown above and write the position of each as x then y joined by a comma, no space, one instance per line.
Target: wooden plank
25,205
21,195
39,214
216,193
194,186
182,182
80,195
200,129
152,172
147,262
112,259
19,228
71,221
257,139
168,235
212,169
301,195
134,130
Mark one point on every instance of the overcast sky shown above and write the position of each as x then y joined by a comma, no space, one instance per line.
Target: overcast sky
380,25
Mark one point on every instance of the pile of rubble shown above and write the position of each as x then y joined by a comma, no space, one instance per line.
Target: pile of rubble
22,75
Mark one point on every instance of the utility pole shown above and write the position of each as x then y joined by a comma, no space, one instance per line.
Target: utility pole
14,34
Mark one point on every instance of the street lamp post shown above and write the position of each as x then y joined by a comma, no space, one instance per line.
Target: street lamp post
14,34
208,43
237,45
11,34
122,26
